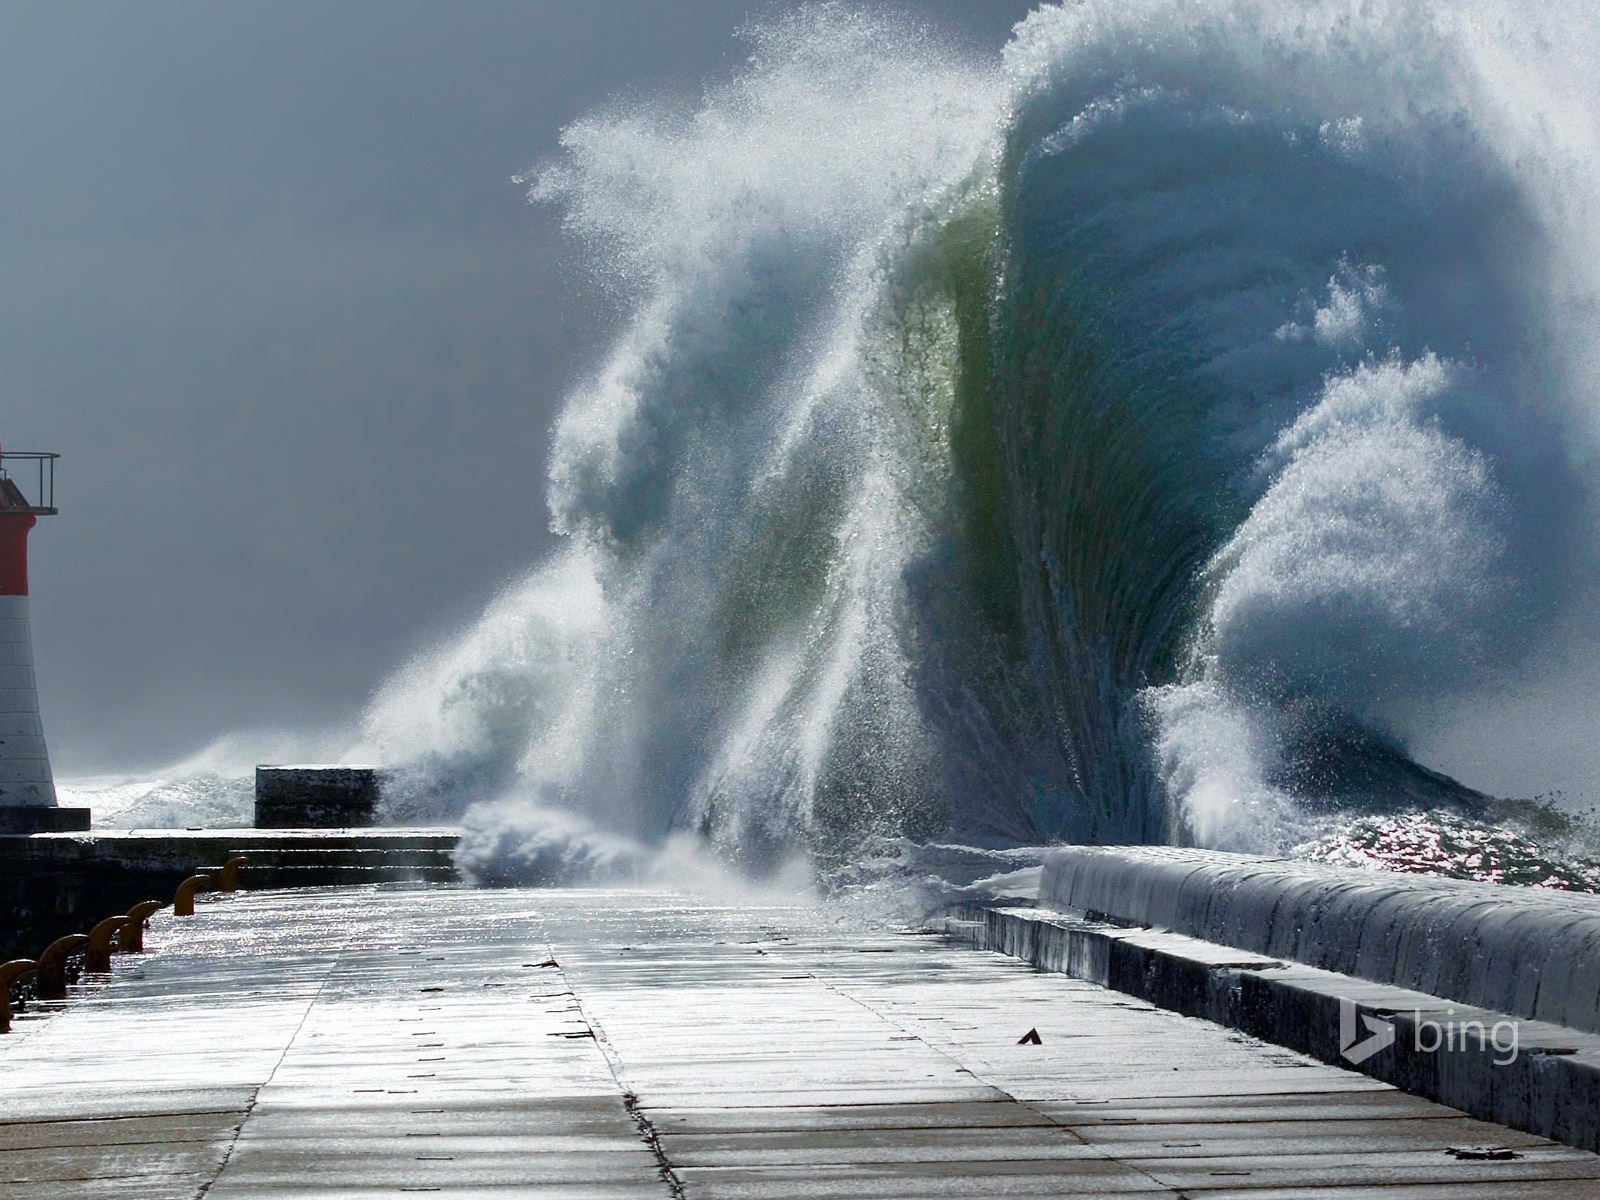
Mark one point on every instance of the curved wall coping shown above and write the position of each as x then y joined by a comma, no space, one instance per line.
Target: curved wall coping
1528,952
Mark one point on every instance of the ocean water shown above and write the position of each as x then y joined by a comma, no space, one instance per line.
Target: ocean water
1181,427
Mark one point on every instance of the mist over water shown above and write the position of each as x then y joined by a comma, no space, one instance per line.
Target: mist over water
1180,429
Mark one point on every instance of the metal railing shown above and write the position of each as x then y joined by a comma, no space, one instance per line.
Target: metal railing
43,500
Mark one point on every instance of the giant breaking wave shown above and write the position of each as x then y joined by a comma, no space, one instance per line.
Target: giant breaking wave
1181,426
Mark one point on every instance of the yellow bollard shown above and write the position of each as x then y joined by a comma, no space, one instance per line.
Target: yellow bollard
228,874
131,938
183,899
50,973
97,954
9,973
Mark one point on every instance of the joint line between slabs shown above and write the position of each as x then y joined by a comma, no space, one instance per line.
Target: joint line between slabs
255,1095
630,1099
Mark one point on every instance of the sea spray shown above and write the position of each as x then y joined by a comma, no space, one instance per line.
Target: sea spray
1177,430
730,480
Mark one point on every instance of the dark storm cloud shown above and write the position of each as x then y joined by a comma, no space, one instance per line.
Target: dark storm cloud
266,284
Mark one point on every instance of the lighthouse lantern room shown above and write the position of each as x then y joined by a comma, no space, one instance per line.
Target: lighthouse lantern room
27,789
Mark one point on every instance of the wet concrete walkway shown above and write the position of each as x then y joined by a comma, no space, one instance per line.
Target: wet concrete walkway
379,1042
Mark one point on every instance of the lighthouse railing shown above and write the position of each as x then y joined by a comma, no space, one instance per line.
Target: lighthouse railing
42,474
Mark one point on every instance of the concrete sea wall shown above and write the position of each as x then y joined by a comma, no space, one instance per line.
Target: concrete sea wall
1528,952
54,884
1422,983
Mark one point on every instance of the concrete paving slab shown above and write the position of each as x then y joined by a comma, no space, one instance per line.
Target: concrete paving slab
1300,1106
1544,1189
997,1114
1310,1170
145,1187
1305,1137
118,1131
922,1181
19,1169
768,1149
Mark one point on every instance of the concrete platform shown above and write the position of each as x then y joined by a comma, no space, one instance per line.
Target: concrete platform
396,1039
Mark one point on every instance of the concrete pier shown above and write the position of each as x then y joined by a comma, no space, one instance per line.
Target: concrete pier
394,1039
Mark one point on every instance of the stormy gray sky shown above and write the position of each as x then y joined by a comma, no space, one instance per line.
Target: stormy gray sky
269,289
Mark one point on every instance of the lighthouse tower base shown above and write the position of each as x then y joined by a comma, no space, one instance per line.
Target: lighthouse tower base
27,791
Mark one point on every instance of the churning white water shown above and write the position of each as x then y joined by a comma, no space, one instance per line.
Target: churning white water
1183,424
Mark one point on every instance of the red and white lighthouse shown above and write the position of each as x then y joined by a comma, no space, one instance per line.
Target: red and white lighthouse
27,790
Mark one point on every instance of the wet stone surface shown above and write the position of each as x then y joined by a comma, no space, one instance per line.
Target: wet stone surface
398,1040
